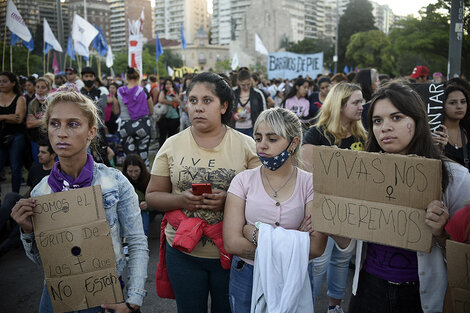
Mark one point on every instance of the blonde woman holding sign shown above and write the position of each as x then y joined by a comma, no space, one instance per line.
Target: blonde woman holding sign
71,121
339,123
390,279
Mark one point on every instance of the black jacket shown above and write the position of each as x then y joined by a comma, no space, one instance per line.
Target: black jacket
257,103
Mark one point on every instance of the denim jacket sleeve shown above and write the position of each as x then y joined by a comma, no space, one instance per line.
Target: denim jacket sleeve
130,221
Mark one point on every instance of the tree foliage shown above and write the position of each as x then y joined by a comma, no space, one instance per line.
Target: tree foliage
357,18
20,57
371,49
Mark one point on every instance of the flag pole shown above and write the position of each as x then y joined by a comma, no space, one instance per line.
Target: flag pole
4,44
99,63
44,57
27,63
11,59
47,63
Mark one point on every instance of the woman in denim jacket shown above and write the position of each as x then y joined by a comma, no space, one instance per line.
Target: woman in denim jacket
71,120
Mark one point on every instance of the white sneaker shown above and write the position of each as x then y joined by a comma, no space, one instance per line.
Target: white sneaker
336,309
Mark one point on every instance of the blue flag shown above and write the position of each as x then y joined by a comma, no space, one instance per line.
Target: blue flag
346,70
70,50
29,45
99,43
47,47
14,39
183,40
159,48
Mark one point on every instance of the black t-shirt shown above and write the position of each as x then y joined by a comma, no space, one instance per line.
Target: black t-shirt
456,154
314,136
36,173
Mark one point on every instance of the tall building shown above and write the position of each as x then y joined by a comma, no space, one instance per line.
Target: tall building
322,16
228,18
171,14
33,15
121,12
383,16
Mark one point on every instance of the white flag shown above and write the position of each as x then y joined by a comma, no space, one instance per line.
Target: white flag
234,61
135,52
259,46
170,71
50,38
83,34
15,22
109,58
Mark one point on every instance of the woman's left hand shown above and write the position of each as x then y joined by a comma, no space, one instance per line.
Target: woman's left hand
143,206
436,217
117,307
213,201
306,224
441,137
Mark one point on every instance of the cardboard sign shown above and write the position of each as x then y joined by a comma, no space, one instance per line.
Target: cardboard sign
433,98
458,269
74,241
374,197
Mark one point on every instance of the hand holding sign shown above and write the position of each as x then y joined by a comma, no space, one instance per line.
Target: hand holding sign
22,213
436,217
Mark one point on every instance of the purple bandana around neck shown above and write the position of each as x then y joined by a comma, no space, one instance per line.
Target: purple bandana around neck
60,181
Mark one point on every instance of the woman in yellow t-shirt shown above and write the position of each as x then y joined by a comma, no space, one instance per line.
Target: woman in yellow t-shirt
193,261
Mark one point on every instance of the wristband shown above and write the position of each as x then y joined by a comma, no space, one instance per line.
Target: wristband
255,231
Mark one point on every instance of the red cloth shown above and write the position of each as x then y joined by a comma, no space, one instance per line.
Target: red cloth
188,234
458,226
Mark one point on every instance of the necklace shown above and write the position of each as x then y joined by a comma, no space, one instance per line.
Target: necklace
454,143
276,191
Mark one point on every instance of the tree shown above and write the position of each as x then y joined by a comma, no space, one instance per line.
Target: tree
357,18
371,49
20,55
310,46
223,66
423,41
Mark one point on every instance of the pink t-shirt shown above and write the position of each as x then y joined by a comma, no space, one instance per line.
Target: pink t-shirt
260,207
300,106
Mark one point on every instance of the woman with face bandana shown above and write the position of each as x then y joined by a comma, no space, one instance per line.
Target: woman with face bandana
277,193
35,112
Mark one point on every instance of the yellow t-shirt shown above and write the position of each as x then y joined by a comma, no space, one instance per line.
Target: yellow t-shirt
186,163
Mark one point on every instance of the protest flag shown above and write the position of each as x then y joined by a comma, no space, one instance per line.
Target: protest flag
183,40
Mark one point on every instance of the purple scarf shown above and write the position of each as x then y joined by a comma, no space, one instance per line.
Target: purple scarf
60,181
136,101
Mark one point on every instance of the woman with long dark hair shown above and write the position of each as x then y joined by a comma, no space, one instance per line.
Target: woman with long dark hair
12,129
193,262
369,81
169,123
35,111
136,172
389,279
457,121
297,102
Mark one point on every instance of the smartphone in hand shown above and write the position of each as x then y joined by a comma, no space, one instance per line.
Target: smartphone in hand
199,189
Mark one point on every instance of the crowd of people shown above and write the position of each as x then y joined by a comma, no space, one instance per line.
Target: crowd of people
246,237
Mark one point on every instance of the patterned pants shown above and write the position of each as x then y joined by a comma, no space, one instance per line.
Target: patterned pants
135,137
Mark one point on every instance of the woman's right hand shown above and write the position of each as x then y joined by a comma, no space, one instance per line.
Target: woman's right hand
190,201
22,213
